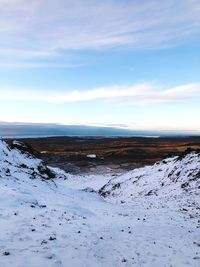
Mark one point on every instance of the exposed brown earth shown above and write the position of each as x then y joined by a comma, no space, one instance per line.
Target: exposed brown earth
112,154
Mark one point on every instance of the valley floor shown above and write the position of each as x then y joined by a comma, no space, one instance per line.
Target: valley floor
63,223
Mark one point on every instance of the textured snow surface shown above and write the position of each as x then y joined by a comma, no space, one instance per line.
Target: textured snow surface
64,222
171,178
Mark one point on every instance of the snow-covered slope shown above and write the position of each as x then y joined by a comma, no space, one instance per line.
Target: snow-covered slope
59,222
169,178
17,162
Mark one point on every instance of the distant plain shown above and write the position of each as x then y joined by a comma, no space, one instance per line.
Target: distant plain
117,154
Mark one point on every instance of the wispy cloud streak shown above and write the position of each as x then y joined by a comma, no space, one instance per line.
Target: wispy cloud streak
127,95
30,29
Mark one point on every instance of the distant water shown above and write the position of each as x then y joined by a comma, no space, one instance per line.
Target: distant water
85,136
22,130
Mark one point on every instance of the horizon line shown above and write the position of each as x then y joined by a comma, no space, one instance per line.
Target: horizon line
124,127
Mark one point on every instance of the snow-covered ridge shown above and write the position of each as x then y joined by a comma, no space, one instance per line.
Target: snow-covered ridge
169,177
18,161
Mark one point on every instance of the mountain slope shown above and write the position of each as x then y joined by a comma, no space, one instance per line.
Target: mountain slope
170,178
60,222
18,160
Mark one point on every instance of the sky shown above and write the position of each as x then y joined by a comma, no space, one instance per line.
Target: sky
125,63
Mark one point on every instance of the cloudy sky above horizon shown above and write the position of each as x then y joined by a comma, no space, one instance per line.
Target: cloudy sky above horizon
108,62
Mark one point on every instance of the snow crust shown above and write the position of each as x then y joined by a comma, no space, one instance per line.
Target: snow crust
65,222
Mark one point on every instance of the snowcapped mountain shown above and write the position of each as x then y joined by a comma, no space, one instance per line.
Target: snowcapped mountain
51,218
169,178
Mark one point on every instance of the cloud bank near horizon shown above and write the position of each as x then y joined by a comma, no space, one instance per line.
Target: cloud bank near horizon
17,130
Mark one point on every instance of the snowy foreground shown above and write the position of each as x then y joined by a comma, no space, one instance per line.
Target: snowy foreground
146,217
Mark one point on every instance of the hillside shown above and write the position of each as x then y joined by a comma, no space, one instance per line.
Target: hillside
175,177
51,218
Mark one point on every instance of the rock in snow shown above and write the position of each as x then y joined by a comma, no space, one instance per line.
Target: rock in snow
146,217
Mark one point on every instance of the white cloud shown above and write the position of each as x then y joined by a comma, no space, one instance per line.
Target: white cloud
174,94
126,95
46,28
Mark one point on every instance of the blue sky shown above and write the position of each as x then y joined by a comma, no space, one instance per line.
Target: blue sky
125,63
